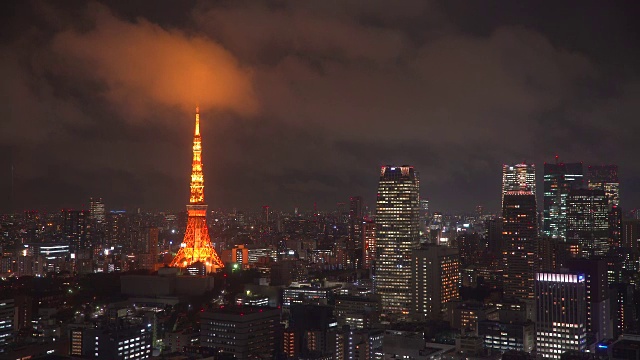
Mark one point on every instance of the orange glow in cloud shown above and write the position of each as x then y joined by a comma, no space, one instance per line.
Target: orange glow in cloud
142,62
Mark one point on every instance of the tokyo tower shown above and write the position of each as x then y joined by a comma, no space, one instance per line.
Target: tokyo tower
196,245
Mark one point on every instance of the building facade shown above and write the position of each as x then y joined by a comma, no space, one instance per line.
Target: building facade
243,332
559,180
605,178
435,281
588,222
118,343
561,313
397,235
519,177
598,299
519,230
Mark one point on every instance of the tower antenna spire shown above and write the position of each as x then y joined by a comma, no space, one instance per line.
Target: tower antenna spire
197,133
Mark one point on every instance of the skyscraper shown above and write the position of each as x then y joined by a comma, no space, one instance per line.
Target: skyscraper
519,231
561,312
75,229
354,242
597,295
559,180
588,221
196,245
96,210
605,177
435,282
397,234
368,243
518,177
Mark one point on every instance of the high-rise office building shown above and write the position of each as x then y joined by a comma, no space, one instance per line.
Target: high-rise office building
368,243
605,178
519,177
519,229
598,303
588,221
559,180
32,226
96,210
561,312
630,234
494,235
354,242
435,282
75,229
397,235
615,226
626,318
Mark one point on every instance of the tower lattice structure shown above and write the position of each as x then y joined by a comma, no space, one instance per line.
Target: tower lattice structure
196,245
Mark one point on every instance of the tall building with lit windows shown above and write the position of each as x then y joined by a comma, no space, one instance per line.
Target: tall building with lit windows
354,242
368,243
75,229
588,222
397,235
559,180
435,282
561,313
96,210
519,233
518,177
605,177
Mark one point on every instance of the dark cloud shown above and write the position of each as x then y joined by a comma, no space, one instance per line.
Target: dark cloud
307,99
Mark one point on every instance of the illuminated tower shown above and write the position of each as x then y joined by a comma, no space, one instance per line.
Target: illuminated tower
196,245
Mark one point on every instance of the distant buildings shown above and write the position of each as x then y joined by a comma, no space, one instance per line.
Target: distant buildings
368,243
97,210
75,229
354,241
398,221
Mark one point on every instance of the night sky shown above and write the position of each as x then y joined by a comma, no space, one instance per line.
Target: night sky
303,101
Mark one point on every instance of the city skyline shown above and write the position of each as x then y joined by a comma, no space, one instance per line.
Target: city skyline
308,115
437,179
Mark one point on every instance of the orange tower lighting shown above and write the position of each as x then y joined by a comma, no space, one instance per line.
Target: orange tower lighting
196,245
